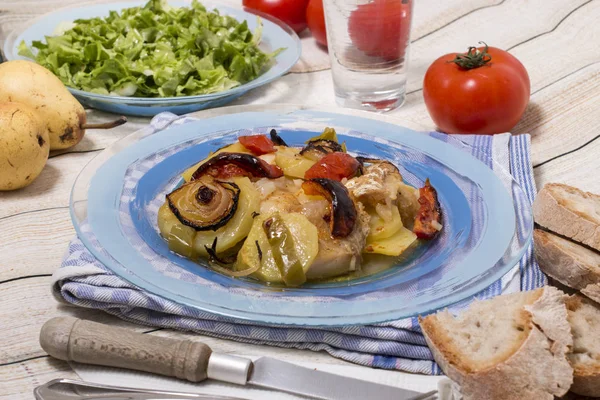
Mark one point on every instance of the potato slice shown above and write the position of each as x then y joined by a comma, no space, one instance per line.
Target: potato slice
179,237
306,237
166,220
393,245
306,241
232,148
382,229
291,162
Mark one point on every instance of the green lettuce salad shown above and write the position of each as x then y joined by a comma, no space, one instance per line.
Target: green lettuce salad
154,51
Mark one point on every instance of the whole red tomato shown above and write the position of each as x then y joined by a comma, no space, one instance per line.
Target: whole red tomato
315,17
381,28
292,12
483,91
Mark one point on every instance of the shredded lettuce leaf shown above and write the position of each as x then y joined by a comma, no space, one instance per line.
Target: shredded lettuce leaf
154,51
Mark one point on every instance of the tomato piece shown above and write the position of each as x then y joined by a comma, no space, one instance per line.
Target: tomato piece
257,144
292,12
381,28
226,165
334,166
428,221
484,91
315,17
228,171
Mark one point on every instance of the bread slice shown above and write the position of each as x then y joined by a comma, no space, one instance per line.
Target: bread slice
569,212
509,347
569,263
584,317
573,396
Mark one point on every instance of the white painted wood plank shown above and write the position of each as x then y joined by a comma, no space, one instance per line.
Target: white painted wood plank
27,304
576,169
51,188
17,381
572,46
431,15
563,116
24,307
34,243
504,26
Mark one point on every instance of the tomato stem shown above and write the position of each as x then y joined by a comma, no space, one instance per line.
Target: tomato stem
473,58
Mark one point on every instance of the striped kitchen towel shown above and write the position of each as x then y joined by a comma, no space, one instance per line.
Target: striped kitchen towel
83,281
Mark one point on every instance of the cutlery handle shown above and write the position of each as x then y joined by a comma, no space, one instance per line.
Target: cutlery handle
72,339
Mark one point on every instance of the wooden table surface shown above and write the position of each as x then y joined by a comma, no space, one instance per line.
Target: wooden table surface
557,40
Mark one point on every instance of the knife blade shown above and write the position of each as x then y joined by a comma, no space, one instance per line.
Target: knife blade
69,389
88,342
274,374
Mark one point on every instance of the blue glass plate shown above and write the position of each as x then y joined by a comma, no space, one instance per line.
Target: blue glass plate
116,200
275,35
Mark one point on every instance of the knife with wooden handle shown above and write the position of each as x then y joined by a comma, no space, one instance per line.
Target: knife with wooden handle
87,342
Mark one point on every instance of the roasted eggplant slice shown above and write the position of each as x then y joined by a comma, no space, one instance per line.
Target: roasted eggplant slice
343,211
204,204
317,149
227,165
365,160
428,222
275,138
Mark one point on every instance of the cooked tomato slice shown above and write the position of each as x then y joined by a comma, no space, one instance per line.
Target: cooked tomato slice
335,166
257,144
228,171
428,221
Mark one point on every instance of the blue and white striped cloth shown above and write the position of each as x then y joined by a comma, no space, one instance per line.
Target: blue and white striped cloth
84,281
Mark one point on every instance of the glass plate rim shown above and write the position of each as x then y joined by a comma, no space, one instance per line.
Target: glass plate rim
295,108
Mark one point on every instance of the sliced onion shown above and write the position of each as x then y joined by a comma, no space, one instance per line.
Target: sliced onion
269,158
205,204
265,187
237,274
366,160
215,261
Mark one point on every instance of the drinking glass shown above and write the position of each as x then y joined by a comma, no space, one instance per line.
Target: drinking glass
368,43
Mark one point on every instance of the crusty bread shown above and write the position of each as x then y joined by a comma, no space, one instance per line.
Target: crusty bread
569,263
574,396
569,212
509,347
584,317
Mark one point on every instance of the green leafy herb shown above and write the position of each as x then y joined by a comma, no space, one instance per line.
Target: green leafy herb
154,51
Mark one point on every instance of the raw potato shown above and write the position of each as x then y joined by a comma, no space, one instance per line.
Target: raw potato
60,113
24,146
